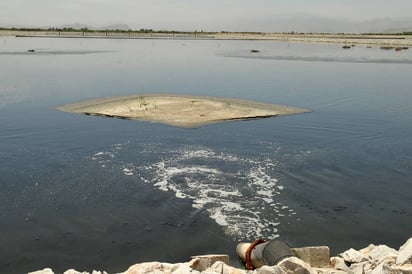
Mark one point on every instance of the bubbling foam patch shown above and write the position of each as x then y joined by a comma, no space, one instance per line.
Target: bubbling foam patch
239,193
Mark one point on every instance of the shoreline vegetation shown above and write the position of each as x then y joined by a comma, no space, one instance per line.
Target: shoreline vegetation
403,39
186,111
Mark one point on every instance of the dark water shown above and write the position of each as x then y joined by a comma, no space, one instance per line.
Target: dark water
95,193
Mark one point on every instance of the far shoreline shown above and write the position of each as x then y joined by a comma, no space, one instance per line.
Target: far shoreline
376,40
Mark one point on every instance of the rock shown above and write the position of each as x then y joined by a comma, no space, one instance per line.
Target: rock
316,256
339,264
353,256
402,269
222,268
405,253
295,265
143,268
360,268
202,262
328,271
382,268
367,249
373,259
183,269
381,253
73,271
44,271
270,270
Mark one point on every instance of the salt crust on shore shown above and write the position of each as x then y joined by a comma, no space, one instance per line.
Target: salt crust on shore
185,111
373,259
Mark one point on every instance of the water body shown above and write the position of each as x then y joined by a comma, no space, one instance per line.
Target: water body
96,193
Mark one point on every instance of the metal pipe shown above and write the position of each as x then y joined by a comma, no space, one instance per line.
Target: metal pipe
259,253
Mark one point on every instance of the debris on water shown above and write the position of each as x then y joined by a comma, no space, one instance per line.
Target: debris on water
148,228
346,47
401,48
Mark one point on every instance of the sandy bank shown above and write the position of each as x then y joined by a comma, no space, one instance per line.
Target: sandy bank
179,110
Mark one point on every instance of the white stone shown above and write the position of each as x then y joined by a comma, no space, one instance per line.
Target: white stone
338,263
405,253
316,256
381,253
222,268
183,269
73,271
360,268
202,262
270,270
382,268
43,271
367,249
402,269
295,265
150,267
328,271
353,256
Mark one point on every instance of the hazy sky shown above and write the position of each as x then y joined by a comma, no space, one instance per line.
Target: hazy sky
195,14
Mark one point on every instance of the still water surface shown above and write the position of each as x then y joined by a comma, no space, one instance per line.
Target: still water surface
95,193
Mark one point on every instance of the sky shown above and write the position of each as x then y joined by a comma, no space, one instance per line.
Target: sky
211,15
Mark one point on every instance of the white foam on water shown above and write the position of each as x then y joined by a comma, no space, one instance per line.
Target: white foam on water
128,171
239,193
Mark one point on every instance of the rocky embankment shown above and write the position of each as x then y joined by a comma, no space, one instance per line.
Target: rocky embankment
373,259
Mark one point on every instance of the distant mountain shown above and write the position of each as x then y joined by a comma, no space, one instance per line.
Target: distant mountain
271,23
75,26
384,25
108,27
116,27
399,30
313,23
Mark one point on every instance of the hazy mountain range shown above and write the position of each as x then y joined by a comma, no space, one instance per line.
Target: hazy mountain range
108,27
303,23
275,23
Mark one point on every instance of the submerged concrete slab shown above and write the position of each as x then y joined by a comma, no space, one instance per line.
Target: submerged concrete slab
185,111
